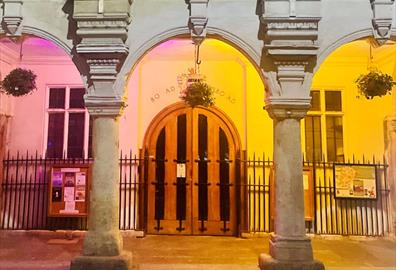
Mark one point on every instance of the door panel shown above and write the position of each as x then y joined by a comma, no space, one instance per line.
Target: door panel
191,174
167,191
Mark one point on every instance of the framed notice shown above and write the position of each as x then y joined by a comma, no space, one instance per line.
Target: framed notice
69,189
355,181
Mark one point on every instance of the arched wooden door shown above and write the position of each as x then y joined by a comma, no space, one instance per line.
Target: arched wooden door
191,172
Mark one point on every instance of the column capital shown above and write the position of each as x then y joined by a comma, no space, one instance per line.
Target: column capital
284,108
289,80
383,11
101,98
198,19
12,17
102,29
104,106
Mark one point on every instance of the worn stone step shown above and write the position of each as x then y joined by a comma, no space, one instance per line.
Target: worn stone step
152,266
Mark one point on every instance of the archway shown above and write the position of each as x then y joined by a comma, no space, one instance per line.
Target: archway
156,81
49,125
344,127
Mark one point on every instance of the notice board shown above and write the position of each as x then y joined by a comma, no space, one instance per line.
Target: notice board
355,181
69,191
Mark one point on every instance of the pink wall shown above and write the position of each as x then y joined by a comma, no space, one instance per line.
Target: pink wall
28,122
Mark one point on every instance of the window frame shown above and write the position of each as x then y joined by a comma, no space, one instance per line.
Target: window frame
67,111
323,120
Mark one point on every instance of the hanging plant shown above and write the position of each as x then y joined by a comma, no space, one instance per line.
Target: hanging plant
198,93
374,84
19,82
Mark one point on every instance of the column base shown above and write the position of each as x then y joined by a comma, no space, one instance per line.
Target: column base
290,248
121,262
266,262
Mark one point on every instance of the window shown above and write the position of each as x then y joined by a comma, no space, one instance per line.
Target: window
323,127
68,123
313,138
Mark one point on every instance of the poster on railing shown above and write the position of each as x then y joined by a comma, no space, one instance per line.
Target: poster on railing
355,181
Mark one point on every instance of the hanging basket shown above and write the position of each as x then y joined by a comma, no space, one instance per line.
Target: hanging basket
198,93
19,82
374,84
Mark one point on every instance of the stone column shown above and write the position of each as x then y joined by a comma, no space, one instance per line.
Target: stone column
289,246
287,104
102,29
390,153
103,237
103,243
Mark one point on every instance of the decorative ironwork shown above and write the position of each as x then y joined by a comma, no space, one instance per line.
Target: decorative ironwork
24,196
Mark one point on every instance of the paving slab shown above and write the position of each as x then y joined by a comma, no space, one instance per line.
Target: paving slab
20,250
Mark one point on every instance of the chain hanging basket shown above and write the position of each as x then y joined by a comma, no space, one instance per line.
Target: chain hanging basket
198,93
374,84
19,82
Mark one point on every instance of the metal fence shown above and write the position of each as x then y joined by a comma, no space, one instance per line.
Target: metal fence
24,194
350,216
24,197
330,215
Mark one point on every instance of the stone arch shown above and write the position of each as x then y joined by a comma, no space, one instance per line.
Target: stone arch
48,36
247,50
364,33
67,48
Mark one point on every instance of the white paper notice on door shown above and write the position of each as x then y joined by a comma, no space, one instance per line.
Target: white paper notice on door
181,170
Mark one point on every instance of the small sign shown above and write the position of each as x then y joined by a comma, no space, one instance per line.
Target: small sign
181,170
57,194
80,179
70,208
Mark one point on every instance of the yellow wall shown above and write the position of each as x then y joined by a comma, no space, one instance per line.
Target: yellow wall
362,118
153,85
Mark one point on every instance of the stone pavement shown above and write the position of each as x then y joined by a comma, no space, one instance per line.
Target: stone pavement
52,251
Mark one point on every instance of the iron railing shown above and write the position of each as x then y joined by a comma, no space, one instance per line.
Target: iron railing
24,197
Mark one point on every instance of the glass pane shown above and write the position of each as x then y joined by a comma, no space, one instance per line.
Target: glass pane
202,168
55,135
224,172
181,190
57,98
313,138
333,101
181,138
160,177
315,101
75,140
77,98
334,138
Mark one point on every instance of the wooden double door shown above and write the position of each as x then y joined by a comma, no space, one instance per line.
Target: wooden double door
191,172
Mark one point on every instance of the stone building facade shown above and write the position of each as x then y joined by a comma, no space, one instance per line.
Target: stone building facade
286,41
